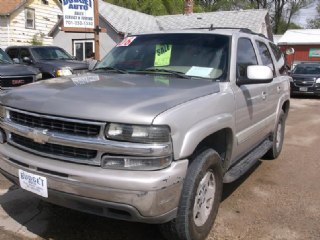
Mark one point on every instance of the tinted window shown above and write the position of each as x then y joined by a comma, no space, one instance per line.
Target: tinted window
245,56
4,58
307,69
204,55
24,53
49,53
276,51
280,60
13,53
265,55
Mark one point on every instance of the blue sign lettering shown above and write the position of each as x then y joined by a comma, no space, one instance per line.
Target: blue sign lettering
76,4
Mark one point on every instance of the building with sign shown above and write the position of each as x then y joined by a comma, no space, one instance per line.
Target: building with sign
23,22
119,21
306,45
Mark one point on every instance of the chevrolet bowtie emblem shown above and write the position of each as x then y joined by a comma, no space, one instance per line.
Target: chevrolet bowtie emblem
39,136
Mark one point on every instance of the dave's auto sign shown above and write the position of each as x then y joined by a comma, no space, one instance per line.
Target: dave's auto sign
78,13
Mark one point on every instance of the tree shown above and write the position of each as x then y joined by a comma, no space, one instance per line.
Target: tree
315,23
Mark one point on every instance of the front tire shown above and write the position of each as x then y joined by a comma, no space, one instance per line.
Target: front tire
200,199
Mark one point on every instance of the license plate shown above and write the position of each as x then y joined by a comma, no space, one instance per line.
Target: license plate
303,89
33,183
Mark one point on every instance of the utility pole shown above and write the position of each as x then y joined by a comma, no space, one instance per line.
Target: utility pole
97,30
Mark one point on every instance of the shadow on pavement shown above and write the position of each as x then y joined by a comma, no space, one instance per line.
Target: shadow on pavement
30,217
229,188
24,214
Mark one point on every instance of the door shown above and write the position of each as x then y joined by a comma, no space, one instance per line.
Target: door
250,100
83,49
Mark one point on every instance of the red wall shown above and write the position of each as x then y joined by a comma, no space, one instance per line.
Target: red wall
301,53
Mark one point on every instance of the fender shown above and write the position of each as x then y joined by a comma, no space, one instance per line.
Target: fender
202,130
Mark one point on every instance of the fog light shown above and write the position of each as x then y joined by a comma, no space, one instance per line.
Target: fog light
3,137
135,163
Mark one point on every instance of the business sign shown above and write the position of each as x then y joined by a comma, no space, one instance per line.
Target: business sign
78,13
314,52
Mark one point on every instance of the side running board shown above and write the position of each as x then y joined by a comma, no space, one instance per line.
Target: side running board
247,162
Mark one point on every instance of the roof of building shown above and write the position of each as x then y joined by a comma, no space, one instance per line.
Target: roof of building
251,19
276,38
126,20
129,21
300,37
9,6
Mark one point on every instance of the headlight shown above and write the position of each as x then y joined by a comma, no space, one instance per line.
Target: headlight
136,163
63,72
318,80
137,133
38,76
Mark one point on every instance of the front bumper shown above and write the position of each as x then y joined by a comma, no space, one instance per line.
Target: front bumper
305,90
142,196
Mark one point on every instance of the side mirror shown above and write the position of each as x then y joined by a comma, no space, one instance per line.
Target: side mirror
257,74
289,51
27,60
16,60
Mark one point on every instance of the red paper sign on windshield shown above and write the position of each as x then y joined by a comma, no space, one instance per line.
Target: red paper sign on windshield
126,42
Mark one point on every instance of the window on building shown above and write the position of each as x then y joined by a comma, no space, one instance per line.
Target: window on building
83,49
30,18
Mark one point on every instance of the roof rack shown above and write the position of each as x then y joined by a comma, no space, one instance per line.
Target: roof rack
244,30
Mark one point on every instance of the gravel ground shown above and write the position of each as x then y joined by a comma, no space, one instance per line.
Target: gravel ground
278,199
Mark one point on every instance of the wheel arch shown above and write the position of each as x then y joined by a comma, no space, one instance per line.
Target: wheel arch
286,107
221,141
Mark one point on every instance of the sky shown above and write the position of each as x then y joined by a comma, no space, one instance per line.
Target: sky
306,13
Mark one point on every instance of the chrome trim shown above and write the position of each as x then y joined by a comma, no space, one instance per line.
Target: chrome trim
56,118
99,144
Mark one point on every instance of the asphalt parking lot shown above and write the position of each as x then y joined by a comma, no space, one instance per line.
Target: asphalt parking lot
278,199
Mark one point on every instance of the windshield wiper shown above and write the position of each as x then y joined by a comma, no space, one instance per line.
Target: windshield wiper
161,70
110,69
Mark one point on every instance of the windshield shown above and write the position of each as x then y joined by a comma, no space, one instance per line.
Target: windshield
307,69
198,55
4,58
50,53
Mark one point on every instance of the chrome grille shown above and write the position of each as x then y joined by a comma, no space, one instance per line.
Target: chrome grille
61,126
54,149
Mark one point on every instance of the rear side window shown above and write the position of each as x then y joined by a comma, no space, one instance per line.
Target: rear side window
246,56
276,51
265,55
281,64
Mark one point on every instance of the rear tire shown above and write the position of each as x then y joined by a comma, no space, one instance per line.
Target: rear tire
277,138
200,199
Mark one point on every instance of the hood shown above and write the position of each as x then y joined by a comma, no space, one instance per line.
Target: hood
125,98
17,70
305,77
73,64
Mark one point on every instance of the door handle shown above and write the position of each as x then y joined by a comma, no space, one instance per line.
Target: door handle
264,95
278,89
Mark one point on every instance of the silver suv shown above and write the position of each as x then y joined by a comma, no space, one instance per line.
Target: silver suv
153,132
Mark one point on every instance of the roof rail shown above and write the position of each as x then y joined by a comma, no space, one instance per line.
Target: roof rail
244,30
